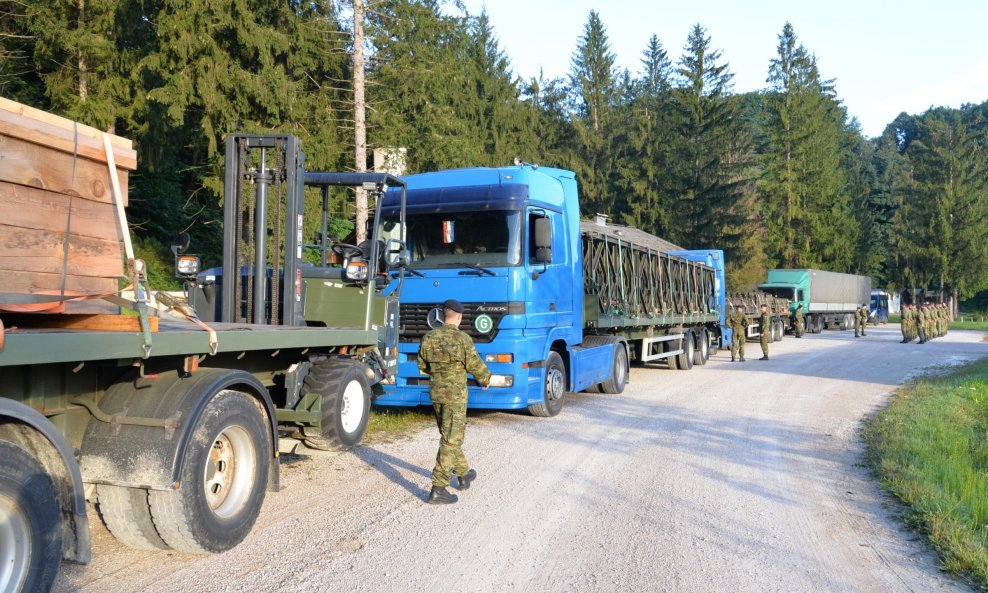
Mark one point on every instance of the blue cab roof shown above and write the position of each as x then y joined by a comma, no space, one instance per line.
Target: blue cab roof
481,188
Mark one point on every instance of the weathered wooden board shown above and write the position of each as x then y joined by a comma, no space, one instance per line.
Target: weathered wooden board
33,208
120,323
22,282
31,250
47,129
33,165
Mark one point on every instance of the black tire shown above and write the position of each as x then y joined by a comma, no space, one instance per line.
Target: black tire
127,515
702,353
595,388
780,330
31,519
669,346
619,371
215,512
345,399
553,388
688,344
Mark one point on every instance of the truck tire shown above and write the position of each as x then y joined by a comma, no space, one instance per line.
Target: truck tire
345,399
702,352
30,523
223,480
819,324
619,371
554,388
779,330
127,515
685,359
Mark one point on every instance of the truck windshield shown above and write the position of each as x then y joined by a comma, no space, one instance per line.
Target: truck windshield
781,292
464,239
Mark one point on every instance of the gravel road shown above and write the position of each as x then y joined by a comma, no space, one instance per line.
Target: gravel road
730,477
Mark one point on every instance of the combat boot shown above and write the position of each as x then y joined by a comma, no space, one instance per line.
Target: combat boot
466,479
732,359
742,359
440,495
764,357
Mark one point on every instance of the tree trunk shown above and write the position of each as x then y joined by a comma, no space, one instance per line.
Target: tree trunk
359,122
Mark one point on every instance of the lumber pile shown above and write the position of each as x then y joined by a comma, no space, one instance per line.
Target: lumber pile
59,228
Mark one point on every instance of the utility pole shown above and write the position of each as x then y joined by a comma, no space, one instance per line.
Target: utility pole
359,121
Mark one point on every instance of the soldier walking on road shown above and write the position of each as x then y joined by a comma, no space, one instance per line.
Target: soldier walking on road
738,323
860,320
447,354
765,331
798,322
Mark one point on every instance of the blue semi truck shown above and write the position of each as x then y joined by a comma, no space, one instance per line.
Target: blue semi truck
554,304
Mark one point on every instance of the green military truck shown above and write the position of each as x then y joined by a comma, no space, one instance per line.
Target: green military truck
172,428
829,299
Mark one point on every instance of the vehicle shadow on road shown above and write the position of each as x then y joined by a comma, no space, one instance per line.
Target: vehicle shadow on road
390,467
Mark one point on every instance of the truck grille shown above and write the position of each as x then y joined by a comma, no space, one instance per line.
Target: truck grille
415,319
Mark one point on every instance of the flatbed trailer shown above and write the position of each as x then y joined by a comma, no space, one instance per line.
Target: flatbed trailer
171,424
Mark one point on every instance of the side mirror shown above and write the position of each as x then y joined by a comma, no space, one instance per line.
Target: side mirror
186,266
397,255
543,241
182,243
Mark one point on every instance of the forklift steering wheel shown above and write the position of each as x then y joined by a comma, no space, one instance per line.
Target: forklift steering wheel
346,250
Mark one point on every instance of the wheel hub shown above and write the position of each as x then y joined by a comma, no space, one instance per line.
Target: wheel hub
230,471
15,545
555,385
352,406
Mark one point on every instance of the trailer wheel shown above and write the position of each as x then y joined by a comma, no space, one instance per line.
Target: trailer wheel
345,398
619,371
819,324
30,526
702,354
553,390
223,478
127,515
688,344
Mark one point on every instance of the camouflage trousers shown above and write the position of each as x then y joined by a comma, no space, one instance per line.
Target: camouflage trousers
764,342
859,326
737,343
452,422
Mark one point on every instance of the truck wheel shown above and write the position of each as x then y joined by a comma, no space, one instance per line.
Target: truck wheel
819,324
669,346
127,515
685,360
619,371
553,390
223,479
702,353
780,330
30,526
345,399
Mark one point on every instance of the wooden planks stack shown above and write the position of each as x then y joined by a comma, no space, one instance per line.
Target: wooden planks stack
55,189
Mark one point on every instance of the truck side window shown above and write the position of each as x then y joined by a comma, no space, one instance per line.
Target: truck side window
799,295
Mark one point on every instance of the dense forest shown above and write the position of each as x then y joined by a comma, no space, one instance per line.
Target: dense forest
782,177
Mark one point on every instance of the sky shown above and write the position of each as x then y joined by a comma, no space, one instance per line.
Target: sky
887,57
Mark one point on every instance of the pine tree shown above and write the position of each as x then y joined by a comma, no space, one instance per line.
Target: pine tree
714,151
593,92
807,208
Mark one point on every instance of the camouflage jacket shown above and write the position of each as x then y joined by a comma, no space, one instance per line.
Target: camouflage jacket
737,321
765,323
447,354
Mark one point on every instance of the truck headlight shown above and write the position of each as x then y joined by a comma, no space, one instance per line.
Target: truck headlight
356,270
499,358
502,380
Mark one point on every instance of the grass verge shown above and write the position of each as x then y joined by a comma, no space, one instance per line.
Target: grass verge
387,425
930,448
976,325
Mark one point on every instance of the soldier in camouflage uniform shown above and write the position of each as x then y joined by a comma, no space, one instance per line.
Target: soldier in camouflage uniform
798,322
906,324
860,320
765,331
921,323
738,323
447,354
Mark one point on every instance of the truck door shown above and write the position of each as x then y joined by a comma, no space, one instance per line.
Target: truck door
550,297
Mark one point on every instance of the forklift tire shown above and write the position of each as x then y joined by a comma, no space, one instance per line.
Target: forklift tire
553,389
345,399
127,515
30,523
223,480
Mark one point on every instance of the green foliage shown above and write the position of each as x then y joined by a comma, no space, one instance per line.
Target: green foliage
160,263
930,448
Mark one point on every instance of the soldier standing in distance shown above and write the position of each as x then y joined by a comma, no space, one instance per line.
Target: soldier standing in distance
798,322
860,320
447,354
904,324
765,330
921,323
738,323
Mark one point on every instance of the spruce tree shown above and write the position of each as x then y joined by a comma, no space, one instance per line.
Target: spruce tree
713,150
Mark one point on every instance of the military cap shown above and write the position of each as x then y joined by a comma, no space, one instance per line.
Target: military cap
453,305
